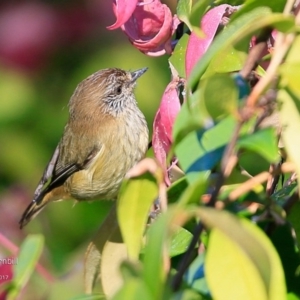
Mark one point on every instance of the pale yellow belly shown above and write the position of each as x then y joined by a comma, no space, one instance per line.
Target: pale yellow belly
103,177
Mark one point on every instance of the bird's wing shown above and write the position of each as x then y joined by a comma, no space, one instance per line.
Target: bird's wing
56,173
53,176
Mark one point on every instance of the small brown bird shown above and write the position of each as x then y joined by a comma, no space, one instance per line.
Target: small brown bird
106,135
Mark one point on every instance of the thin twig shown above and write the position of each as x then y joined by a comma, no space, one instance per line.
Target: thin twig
273,179
293,199
229,157
259,179
291,179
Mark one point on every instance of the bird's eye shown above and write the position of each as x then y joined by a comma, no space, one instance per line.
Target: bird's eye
119,90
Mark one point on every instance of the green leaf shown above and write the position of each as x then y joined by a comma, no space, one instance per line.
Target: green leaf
293,218
195,190
28,257
237,276
241,262
114,252
153,260
289,103
290,72
90,297
275,6
220,95
180,241
178,56
197,12
281,195
264,142
195,275
194,115
201,151
292,296
189,118
134,289
130,269
175,190
289,114
283,238
135,199
188,294
246,159
293,56
184,10
230,60
242,27
232,2
104,256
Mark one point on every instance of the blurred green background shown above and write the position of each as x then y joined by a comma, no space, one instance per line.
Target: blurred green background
46,49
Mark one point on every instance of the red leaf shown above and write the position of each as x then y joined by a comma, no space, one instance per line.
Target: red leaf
163,124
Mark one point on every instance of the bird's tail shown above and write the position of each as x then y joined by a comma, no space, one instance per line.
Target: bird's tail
39,202
31,211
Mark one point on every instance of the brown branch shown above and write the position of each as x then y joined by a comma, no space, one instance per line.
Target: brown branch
256,53
187,258
227,164
248,185
280,51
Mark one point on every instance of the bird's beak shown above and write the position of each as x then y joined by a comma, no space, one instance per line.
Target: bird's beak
138,73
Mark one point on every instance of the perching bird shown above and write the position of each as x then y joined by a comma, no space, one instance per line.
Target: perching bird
106,135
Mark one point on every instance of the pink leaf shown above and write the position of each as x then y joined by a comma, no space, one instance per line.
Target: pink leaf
6,274
150,27
197,46
166,47
157,35
148,24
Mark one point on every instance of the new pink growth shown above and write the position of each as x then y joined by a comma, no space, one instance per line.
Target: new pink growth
123,11
163,124
197,46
